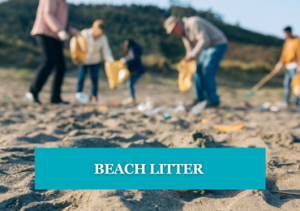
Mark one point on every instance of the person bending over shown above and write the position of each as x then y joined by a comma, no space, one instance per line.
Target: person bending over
205,43
96,43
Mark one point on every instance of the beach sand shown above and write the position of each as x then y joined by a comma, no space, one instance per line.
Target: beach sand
23,127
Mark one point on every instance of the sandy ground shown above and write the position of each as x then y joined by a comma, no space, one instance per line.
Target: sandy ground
25,126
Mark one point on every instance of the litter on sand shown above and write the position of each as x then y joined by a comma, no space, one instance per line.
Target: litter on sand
147,105
230,128
197,109
155,111
82,97
204,121
103,108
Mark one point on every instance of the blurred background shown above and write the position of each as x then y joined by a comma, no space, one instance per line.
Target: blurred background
254,30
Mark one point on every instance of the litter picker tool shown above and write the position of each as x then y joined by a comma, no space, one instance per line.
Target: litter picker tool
261,83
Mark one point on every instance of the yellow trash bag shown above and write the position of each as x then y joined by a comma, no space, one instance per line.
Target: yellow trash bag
229,128
186,72
296,85
78,49
116,73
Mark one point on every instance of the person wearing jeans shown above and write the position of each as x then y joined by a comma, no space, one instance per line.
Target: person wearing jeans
133,61
205,41
290,57
96,43
82,70
50,30
204,78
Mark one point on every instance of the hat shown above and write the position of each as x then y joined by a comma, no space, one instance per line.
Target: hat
170,24
99,26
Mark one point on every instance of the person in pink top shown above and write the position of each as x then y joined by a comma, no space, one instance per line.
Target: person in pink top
50,30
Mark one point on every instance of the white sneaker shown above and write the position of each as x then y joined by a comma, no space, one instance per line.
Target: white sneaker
129,101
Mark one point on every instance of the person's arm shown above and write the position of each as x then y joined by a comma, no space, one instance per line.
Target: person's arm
106,50
187,45
203,40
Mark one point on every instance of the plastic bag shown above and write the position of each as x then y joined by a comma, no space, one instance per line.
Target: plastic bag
82,97
78,49
296,85
116,73
186,72
197,109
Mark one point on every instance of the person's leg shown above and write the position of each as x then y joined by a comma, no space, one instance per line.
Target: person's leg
48,63
131,82
59,71
81,77
198,84
94,76
214,56
287,88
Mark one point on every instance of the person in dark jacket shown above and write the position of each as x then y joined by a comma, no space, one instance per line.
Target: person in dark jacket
133,52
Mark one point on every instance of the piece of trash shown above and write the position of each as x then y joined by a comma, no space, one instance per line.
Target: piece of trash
295,84
229,128
88,109
232,108
82,97
102,108
6,98
155,111
204,121
287,164
113,104
274,109
167,116
179,107
266,105
197,109
258,109
146,106
25,99
284,192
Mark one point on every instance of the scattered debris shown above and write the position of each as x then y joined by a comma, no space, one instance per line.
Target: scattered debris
197,109
229,128
204,121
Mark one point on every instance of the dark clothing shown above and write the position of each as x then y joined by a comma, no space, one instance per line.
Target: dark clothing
134,61
53,58
94,76
131,81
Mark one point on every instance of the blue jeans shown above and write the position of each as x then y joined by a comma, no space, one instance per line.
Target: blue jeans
94,76
204,78
289,75
131,81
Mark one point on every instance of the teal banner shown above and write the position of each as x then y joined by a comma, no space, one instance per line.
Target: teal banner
155,169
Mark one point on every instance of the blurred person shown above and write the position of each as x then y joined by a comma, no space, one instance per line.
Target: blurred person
50,30
96,42
290,57
133,61
206,44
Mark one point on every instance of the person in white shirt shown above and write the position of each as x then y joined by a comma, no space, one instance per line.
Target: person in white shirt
96,44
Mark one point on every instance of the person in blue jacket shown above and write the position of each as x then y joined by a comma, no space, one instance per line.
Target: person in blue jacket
133,53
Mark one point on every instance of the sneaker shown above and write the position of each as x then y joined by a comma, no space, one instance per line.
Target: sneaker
59,101
93,99
213,104
129,101
32,98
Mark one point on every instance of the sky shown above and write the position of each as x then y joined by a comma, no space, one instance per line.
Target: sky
264,16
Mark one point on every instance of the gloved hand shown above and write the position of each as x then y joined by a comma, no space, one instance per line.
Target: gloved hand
63,35
123,60
73,31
